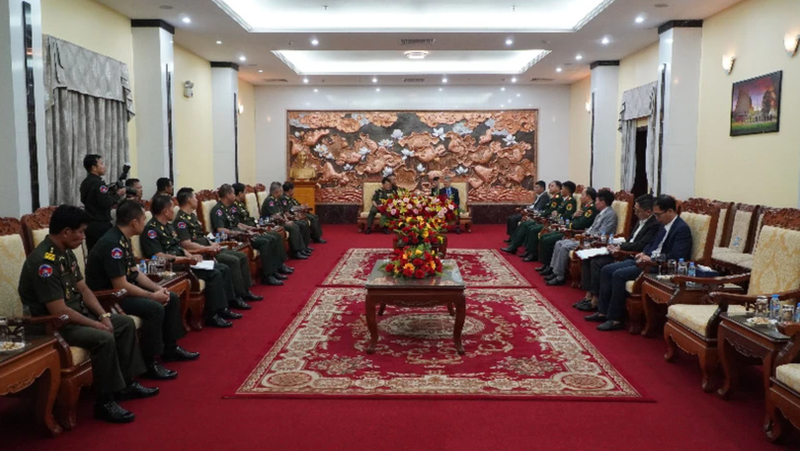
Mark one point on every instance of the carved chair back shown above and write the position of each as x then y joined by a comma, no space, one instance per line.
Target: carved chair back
723,225
776,261
36,226
702,217
12,257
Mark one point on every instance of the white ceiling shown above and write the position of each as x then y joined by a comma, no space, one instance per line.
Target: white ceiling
211,23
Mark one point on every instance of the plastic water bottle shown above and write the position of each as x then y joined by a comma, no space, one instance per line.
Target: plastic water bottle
775,308
681,267
602,237
216,238
224,236
568,221
143,267
691,272
610,238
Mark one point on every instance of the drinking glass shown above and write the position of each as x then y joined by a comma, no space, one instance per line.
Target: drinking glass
672,267
787,313
762,307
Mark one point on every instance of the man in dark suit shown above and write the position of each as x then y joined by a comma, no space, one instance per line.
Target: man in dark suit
542,199
452,193
435,186
674,240
642,234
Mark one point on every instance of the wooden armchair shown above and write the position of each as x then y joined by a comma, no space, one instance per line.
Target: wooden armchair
368,190
776,270
735,247
783,399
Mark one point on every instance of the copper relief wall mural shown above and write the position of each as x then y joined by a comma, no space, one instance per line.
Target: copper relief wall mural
494,152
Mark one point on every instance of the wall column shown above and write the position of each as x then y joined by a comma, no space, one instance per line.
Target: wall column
679,56
224,103
155,65
605,117
23,174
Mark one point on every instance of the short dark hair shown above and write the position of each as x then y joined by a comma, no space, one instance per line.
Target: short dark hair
163,183
385,179
67,217
224,190
288,186
160,203
184,194
606,196
569,185
238,188
558,184
90,161
541,184
591,192
666,202
436,179
131,182
128,211
645,202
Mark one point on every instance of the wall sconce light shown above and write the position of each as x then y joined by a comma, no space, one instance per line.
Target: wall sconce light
187,89
588,107
790,43
727,63
240,108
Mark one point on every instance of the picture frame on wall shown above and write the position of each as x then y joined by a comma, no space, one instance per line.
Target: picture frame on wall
756,105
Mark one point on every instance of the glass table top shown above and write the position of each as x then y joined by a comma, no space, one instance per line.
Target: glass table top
768,331
666,280
450,278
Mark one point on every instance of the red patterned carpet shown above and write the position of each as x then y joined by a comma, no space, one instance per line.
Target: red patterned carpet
518,346
195,411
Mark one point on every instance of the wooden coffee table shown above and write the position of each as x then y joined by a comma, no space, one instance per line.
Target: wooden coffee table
383,289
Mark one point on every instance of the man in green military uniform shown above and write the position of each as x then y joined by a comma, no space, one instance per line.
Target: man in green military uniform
224,220
273,209
111,265
239,208
519,236
581,220
313,220
565,212
98,198
191,236
160,239
51,283
380,196
288,215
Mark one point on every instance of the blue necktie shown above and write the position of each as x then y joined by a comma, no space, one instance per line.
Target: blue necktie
662,233
448,192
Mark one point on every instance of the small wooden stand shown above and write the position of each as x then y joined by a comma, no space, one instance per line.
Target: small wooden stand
305,192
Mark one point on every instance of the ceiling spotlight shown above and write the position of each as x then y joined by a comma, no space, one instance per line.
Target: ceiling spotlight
605,40
444,80
314,42
509,41
416,54
503,88
790,43
578,57
316,90
261,71
242,58
374,80
513,79
639,19
441,89
558,69
305,80
186,20
502,105
219,42
518,95
377,89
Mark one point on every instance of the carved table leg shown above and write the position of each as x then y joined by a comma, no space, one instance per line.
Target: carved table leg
372,325
728,359
383,309
461,314
47,388
450,309
649,307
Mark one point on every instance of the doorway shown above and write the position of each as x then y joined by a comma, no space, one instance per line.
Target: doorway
640,185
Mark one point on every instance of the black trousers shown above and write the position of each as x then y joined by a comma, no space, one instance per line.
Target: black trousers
161,324
95,230
590,273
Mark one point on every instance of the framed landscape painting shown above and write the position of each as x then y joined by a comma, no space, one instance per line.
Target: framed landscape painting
756,105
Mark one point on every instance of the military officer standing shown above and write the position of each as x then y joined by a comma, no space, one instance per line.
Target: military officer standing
111,265
98,198
224,220
51,283
380,196
247,222
160,239
190,234
289,203
273,209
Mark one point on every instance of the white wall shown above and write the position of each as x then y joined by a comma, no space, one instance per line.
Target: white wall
272,103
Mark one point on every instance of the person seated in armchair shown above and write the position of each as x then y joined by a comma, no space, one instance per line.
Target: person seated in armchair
51,283
674,240
225,220
112,265
299,234
247,222
528,236
313,220
191,236
539,204
452,194
646,229
160,239
605,223
380,196
435,186
581,220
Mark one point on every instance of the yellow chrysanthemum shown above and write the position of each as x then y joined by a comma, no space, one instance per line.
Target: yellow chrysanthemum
409,266
418,252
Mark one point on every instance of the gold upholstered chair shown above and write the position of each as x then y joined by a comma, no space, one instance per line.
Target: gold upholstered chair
737,245
465,218
368,190
783,398
776,270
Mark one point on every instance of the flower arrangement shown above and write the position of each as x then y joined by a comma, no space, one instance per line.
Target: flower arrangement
414,262
414,230
396,209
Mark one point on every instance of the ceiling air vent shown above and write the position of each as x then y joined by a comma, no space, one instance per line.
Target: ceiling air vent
276,80
416,42
541,80
413,80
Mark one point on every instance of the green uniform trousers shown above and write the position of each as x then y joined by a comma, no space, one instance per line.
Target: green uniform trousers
532,240
267,247
239,266
296,242
116,358
371,217
519,235
280,249
162,325
305,232
316,227
219,287
548,243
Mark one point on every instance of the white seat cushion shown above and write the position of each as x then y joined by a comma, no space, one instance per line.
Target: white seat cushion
136,321
79,355
253,206
696,317
629,286
789,375
12,257
364,215
621,210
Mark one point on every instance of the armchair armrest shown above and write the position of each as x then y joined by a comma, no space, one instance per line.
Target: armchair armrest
621,255
724,299
51,322
109,299
790,352
789,329
712,281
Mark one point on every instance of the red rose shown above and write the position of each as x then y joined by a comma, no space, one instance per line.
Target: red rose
419,274
414,240
406,230
417,262
390,268
408,272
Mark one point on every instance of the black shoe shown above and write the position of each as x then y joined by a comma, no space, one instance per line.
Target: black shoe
595,318
526,254
157,372
227,313
135,391
239,304
543,268
458,230
179,354
547,272
309,249
217,321
529,259
280,276
299,256
306,253
550,276
113,413
385,231
507,241
509,250
269,280
286,269
583,301
367,231
320,241
249,296
588,307
557,280
610,325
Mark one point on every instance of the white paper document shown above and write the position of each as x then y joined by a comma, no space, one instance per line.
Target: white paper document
206,265
584,254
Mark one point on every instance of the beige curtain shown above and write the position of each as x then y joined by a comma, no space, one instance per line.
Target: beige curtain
88,106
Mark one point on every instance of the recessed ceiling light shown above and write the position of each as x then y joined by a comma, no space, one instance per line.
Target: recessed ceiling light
558,69
513,79
261,71
605,40
314,42
243,58
374,80
219,42
377,89
416,54
578,57
503,88
509,41
186,20
444,80
509,100
518,95
639,19
502,105
316,90
441,89
305,80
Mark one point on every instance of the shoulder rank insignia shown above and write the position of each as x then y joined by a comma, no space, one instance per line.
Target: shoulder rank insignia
569,207
50,256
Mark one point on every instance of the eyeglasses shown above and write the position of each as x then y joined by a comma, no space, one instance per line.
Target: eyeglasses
657,214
